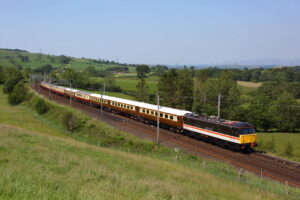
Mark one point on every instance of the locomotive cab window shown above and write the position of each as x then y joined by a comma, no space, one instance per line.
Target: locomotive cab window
245,131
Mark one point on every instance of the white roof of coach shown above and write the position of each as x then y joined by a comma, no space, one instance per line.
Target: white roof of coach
168,110
72,90
144,105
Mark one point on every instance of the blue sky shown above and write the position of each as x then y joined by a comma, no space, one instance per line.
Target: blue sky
152,32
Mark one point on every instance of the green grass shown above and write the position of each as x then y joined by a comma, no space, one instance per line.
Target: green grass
36,164
129,83
113,94
280,140
22,117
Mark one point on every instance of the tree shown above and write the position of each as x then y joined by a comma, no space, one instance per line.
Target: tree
12,72
230,95
142,90
259,112
91,71
199,93
23,58
41,107
26,72
64,59
9,84
142,70
70,75
167,88
160,69
1,75
185,89
110,81
44,69
210,89
18,95
286,112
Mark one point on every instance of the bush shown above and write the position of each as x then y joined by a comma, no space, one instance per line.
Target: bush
41,107
289,150
70,121
18,95
9,84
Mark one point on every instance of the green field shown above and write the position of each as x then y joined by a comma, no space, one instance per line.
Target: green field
129,83
39,161
249,84
280,141
113,94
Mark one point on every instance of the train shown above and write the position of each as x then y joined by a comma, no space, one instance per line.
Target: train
235,135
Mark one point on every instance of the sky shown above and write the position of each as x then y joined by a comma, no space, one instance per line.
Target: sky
173,32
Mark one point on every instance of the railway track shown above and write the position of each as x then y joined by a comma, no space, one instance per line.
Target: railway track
258,163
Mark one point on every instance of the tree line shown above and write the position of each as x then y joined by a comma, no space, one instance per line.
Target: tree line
283,74
272,107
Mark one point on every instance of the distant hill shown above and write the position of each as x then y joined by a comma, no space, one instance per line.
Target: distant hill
25,59
266,62
253,63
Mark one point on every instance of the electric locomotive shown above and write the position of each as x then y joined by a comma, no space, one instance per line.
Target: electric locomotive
229,134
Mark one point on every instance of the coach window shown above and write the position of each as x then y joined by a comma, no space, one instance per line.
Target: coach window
175,118
152,113
171,117
147,111
161,114
166,116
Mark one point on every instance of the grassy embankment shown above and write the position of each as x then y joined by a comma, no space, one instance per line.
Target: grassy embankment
39,161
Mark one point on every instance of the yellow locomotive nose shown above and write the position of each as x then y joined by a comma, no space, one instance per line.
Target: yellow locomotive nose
248,139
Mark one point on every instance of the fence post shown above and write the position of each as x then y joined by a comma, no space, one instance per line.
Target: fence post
286,188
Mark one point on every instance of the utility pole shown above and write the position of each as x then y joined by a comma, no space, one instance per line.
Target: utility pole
70,96
103,90
49,89
219,106
39,83
32,77
158,115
